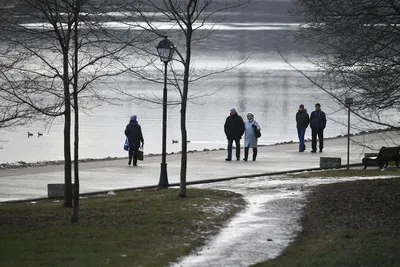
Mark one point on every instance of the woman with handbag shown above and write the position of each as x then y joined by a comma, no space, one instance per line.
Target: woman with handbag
251,134
133,133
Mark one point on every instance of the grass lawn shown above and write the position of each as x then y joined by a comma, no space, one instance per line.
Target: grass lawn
133,228
370,171
348,224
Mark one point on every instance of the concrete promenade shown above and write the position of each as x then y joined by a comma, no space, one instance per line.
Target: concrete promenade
30,183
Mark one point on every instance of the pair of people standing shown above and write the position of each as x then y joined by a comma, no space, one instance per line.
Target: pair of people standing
235,127
317,122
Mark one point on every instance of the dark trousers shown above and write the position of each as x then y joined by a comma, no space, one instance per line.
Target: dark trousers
133,153
230,143
246,153
314,134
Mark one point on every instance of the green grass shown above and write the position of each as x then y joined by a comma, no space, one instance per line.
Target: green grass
134,228
370,171
348,224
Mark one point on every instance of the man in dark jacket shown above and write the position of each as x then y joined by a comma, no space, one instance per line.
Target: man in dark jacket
134,134
317,124
302,121
234,129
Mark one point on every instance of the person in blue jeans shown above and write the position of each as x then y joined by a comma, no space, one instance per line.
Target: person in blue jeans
317,125
302,120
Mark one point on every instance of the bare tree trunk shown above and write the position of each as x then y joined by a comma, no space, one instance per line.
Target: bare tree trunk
76,159
182,192
75,212
67,135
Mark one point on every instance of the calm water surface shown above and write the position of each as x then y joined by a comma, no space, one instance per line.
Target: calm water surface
264,85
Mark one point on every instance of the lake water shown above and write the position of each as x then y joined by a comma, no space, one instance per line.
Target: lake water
264,85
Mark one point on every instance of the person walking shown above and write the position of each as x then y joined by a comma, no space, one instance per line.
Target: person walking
234,129
317,124
250,138
302,120
133,132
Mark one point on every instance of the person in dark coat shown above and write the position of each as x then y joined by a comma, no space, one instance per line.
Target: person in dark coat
134,134
317,124
234,129
302,120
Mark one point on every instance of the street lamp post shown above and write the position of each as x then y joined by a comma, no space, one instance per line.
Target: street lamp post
165,49
348,101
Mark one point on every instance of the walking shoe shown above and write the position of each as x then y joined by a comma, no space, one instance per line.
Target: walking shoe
244,159
313,151
237,159
301,150
254,159
228,159
320,151
129,162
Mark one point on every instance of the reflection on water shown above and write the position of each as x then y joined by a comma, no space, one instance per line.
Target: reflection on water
264,85
285,103
272,96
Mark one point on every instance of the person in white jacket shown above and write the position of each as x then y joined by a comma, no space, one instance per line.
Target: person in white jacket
250,138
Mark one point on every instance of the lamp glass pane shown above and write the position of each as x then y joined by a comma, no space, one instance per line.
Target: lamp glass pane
171,53
163,53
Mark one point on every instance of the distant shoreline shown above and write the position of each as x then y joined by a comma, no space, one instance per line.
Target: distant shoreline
23,164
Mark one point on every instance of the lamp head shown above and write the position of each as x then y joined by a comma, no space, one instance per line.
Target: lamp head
166,49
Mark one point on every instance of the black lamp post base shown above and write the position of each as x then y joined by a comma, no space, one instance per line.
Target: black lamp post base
163,183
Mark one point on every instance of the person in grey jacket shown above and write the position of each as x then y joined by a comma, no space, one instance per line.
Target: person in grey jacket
250,138
302,121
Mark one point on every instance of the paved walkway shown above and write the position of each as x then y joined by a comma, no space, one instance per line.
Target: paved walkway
30,183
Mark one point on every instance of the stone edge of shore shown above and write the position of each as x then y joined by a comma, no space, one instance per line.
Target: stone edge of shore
23,164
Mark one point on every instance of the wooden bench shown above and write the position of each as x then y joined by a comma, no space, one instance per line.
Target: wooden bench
385,155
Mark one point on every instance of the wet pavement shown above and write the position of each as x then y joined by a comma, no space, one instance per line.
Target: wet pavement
268,224
31,183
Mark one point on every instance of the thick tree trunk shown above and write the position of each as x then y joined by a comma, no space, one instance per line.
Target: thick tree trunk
67,135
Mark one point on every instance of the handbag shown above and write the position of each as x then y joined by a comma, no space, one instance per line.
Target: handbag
257,132
126,145
140,153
